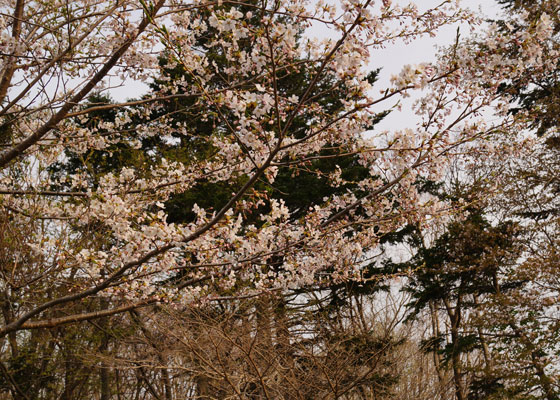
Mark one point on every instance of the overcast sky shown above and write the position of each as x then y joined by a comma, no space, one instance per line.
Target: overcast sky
394,57
391,60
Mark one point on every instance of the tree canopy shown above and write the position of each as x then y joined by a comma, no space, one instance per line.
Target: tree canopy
249,199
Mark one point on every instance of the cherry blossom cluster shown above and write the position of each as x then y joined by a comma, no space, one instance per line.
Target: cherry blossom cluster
113,234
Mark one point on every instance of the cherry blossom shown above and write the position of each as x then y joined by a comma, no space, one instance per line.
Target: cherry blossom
113,237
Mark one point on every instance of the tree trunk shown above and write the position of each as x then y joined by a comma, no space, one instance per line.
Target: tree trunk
454,314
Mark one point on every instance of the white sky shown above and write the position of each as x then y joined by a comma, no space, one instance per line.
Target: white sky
390,59
393,58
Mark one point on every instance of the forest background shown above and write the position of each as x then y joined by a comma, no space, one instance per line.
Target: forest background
249,229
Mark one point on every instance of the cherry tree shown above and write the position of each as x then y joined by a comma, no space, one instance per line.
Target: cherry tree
111,240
